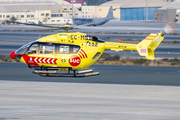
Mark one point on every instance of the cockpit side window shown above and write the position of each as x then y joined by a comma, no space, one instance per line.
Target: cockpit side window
47,48
33,49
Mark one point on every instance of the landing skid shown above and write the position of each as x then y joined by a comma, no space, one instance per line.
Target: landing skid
70,73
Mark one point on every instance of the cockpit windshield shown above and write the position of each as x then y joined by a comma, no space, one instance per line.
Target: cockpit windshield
23,49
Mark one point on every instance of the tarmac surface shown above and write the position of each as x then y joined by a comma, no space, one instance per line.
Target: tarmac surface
109,74
75,101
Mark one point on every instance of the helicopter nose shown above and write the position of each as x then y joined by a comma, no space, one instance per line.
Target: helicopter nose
12,55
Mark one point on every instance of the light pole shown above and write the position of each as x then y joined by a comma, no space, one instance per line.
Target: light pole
146,10
72,1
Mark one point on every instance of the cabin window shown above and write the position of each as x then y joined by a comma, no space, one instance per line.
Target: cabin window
64,49
75,49
68,49
46,48
33,49
96,55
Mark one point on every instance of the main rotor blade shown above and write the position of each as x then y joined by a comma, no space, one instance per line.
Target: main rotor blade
66,27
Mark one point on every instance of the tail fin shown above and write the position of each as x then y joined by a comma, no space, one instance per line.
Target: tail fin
147,46
110,13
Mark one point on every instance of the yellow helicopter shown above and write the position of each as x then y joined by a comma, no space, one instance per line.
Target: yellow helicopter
73,52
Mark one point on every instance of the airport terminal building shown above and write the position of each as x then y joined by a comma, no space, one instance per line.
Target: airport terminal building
168,13
61,12
48,12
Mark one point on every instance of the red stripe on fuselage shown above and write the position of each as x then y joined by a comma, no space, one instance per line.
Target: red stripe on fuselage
84,53
34,60
80,56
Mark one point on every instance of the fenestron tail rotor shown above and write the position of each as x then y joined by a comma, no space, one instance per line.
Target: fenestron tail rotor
169,28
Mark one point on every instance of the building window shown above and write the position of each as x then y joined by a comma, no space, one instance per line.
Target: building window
7,16
32,16
52,20
0,16
54,15
42,14
28,16
58,20
70,8
47,14
22,16
65,8
3,15
99,9
61,15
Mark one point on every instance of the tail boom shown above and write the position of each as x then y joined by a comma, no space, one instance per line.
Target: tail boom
145,48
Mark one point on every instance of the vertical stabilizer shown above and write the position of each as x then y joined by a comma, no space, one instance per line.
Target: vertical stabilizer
147,46
110,13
